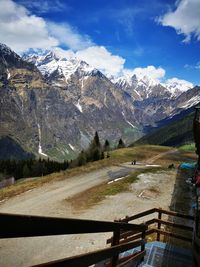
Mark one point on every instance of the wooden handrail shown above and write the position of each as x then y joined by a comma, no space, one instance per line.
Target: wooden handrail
159,210
12,226
126,237
138,215
92,257
174,213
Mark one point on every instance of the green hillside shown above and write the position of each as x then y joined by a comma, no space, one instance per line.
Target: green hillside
176,133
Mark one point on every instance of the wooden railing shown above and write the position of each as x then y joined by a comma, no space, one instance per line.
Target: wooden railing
154,226
12,226
196,236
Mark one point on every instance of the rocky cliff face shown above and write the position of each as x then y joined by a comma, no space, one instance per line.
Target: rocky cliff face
54,115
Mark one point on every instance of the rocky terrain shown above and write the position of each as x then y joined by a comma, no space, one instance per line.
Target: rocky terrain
52,105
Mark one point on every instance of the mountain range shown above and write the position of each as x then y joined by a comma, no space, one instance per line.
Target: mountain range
51,105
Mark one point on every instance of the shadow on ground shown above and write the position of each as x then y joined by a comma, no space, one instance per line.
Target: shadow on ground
182,201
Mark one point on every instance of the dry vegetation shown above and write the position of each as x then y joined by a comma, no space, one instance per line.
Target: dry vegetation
96,194
140,153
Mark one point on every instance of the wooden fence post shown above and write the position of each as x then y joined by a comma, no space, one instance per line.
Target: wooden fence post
143,245
159,224
116,237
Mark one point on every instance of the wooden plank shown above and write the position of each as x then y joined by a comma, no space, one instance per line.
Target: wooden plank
176,225
125,234
129,237
173,213
159,224
138,215
115,242
135,237
12,226
92,257
174,235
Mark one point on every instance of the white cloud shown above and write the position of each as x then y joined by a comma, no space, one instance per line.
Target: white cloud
185,19
68,54
20,30
68,36
150,71
100,58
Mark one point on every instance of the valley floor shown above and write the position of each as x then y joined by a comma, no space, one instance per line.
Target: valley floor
152,189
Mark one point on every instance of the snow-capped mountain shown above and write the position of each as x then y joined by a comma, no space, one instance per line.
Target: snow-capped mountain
59,69
54,107
143,87
177,86
52,104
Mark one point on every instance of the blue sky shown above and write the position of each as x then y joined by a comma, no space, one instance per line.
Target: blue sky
164,34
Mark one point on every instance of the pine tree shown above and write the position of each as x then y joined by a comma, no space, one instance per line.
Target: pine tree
82,159
94,151
121,144
96,140
106,146
26,171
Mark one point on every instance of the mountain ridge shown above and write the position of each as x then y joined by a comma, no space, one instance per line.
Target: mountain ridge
55,114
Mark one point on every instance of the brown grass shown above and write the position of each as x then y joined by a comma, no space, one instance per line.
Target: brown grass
116,157
96,194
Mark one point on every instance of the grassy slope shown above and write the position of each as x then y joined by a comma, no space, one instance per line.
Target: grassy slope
174,134
116,157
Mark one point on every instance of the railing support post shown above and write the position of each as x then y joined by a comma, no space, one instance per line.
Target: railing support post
159,224
143,238
116,237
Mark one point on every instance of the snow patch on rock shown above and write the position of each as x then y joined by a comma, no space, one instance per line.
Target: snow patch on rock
39,145
8,74
72,147
79,107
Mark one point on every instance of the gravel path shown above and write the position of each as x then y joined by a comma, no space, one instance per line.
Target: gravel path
49,200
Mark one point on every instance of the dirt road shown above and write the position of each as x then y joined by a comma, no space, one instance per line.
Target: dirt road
50,200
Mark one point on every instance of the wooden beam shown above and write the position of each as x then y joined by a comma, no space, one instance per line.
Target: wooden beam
173,213
176,225
132,237
138,215
12,226
91,257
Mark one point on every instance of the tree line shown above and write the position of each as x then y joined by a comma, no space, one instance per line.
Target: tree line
39,167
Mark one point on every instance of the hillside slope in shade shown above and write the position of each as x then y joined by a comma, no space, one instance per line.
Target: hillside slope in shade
174,134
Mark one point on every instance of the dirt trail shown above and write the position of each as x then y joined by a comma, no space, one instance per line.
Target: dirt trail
153,159
50,200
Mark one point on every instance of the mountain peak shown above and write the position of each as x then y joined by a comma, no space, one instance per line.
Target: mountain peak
177,86
64,64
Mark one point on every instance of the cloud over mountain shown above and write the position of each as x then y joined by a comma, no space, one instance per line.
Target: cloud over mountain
21,30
